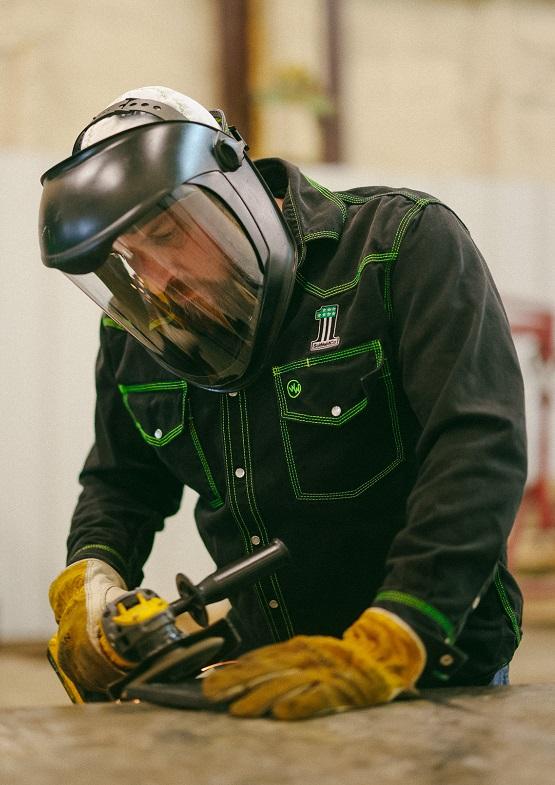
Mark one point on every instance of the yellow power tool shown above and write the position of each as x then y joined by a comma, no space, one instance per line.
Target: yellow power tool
139,633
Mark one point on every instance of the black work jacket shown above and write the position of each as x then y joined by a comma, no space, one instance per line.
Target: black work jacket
384,443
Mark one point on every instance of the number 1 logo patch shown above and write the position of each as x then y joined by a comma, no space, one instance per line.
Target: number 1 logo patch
326,316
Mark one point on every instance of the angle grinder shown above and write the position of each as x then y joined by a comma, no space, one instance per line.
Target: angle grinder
138,632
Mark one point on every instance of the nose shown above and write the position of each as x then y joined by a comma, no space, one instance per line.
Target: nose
153,274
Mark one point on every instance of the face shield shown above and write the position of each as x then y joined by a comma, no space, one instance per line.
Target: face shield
188,255
185,281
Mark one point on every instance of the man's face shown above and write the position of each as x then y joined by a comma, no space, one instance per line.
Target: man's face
192,266
177,263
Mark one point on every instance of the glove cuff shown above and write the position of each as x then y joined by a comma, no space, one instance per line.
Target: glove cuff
391,643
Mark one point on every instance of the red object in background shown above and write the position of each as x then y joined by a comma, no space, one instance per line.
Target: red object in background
536,322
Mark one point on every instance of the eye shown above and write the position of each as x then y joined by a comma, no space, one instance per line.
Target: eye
164,236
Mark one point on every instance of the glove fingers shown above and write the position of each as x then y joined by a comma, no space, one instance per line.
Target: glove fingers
77,654
263,664
66,587
260,700
305,676
222,686
334,693
366,685
83,664
316,700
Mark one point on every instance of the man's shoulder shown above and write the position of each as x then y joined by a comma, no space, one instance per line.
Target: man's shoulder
130,361
385,194
390,210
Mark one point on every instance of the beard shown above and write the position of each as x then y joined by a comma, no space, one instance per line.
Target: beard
213,324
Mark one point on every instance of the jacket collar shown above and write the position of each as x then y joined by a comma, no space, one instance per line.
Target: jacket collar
311,210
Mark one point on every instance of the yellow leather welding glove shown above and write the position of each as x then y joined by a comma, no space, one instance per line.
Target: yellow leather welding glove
378,657
78,597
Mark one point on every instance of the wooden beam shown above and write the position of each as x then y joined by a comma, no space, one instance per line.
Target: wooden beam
235,66
331,124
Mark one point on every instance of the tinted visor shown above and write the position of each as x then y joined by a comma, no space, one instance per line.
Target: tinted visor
187,283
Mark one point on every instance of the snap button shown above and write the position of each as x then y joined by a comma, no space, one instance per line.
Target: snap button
255,539
336,411
446,660
239,472
273,604
232,394
158,433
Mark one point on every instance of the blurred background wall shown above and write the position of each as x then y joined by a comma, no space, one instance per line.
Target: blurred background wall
456,97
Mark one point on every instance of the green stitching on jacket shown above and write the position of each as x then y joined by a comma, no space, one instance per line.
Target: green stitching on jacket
319,235
386,257
298,224
236,512
108,322
507,605
152,386
419,605
325,419
286,416
126,390
307,362
217,501
227,462
101,547
329,195
357,199
251,498
388,381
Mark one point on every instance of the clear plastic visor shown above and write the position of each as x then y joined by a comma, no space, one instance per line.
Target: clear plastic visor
187,283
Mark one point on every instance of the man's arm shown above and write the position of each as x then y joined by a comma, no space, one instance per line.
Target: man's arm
461,376
127,491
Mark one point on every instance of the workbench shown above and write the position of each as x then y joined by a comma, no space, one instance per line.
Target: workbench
490,736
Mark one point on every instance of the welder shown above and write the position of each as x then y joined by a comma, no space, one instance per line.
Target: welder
334,369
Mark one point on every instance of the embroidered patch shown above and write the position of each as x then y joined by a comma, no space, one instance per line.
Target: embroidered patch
293,388
326,316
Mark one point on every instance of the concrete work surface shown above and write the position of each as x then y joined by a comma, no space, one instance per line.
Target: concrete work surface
491,736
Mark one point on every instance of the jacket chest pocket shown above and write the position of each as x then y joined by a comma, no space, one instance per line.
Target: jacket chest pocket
339,422
157,409
161,413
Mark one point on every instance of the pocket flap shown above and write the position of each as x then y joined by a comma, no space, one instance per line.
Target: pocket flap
157,409
335,394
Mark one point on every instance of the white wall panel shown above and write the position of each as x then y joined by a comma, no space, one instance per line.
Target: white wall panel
49,341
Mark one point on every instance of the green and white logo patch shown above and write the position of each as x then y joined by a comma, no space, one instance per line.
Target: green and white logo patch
326,316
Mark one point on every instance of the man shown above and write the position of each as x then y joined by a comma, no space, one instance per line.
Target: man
334,369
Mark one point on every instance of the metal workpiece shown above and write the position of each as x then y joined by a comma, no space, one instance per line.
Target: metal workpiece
493,735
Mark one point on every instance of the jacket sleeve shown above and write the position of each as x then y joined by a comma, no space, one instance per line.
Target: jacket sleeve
461,376
127,491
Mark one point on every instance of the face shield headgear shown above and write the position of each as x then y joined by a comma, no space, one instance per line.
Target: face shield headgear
169,228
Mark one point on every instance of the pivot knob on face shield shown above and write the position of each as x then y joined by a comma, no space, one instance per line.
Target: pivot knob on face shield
229,153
